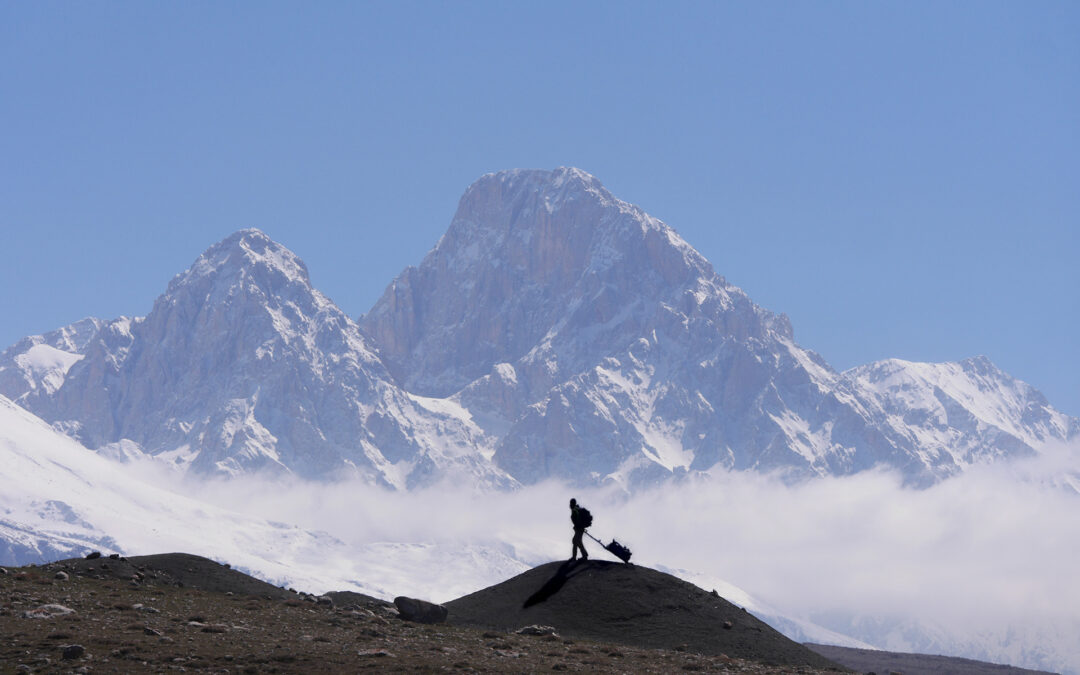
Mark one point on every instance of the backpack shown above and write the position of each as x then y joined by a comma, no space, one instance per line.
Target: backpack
583,518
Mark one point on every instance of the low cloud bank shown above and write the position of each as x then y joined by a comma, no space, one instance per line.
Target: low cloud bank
997,539
993,547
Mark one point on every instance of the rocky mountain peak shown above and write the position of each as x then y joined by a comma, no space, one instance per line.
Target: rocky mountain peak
526,250
245,260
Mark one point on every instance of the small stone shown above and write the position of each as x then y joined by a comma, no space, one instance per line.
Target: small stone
325,601
536,630
74,651
150,631
728,625
114,556
93,555
47,612
2,573
377,653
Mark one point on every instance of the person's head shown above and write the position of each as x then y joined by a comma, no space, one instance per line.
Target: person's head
573,502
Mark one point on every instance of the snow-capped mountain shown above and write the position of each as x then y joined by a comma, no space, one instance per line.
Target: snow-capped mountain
37,365
553,331
242,366
595,344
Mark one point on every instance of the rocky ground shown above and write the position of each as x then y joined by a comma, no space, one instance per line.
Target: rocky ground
179,613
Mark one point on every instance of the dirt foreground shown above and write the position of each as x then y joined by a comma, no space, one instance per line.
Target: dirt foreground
182,613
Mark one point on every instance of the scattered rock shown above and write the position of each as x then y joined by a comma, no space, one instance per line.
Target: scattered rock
47,612
74,651
728,625
323,600
114,556
536,630
419,611
378,653
3,571
93,555
150,631
62,576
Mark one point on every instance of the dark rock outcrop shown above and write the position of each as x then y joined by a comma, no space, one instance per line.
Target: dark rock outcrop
419,611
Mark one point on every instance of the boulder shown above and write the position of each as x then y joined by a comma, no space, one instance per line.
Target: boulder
47,612
419,611
536,630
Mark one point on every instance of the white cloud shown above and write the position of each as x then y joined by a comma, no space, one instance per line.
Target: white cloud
990,549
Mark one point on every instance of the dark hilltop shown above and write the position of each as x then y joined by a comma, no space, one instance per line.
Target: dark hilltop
628,604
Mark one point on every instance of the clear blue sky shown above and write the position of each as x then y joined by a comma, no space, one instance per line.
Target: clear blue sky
902,179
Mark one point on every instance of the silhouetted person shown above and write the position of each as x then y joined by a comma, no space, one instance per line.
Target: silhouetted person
581,519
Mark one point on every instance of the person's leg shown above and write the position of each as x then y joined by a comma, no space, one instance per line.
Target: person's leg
579,544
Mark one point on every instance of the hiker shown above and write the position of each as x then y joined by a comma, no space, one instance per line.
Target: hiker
581,519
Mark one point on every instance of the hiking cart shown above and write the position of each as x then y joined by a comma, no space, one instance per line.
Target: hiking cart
614,548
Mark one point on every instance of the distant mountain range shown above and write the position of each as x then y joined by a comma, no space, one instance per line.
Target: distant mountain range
553,332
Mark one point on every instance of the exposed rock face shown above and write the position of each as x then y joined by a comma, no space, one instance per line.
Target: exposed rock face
420,611
596,344
242,365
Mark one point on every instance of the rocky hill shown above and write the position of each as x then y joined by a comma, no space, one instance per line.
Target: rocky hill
175,611
628,604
